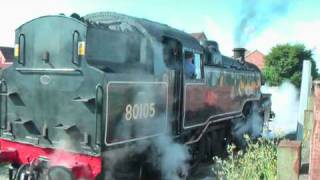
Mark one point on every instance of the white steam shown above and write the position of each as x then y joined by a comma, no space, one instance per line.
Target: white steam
251,125
285,105
164,155
173,158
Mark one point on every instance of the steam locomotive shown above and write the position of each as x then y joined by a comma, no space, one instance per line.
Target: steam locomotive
82,87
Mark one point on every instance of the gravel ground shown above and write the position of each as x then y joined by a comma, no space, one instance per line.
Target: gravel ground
3,172
202,173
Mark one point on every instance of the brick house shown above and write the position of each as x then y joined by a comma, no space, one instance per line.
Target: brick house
6,56
256,57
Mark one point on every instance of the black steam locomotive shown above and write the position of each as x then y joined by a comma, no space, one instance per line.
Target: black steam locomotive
80,88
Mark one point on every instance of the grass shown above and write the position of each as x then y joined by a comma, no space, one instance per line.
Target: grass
258,162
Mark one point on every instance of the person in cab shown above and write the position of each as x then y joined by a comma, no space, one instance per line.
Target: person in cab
189,68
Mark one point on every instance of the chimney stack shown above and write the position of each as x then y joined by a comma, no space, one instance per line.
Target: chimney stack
239,53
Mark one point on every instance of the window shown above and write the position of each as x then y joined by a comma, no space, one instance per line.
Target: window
192,65
117,51
172,53
188,65
197,63
113,46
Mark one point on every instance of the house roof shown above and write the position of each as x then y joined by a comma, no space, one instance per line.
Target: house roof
248,53
7,53
256,57
199,36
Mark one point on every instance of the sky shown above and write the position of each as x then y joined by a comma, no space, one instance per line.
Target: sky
269,22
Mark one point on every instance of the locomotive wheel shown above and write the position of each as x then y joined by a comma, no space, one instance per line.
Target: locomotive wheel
209,147
23,174
251,124
212,144
59,173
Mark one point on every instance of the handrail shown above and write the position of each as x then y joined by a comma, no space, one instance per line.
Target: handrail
48,70
3,84
99,88
22,60
75,47
195,139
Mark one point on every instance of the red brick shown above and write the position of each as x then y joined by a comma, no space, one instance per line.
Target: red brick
288,163
257,58
314,170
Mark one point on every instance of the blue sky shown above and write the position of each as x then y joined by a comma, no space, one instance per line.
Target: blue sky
217,18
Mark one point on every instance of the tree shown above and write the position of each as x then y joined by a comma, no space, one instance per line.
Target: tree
285,62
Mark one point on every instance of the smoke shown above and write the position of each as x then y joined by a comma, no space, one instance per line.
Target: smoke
256,16
160,154
123,162
173,158
252,125
285,105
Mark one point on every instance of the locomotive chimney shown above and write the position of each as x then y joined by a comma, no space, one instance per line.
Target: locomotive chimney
239,53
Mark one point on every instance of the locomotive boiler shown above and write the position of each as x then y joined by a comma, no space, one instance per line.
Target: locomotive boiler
82,87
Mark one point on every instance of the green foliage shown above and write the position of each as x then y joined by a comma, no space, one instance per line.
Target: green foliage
259,162
285,62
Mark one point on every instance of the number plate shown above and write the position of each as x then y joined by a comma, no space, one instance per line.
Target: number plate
135,110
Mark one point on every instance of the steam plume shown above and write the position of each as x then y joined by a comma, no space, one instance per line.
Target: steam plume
174,157
285,105
253,124
256,16
164,155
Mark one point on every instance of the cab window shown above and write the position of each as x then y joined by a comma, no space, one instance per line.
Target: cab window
188,65
192,65
197,64
172,53
119,51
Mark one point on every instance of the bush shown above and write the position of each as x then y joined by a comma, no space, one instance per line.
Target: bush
258,162
285,62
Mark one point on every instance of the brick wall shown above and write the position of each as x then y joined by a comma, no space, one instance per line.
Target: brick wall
314,169
257,58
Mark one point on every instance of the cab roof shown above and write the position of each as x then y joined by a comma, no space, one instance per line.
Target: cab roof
156,30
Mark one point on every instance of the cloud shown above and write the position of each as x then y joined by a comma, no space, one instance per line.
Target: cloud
305,32
14,13
280,32
254,16
220,34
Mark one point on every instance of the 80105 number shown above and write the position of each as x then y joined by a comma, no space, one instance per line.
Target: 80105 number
140,111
